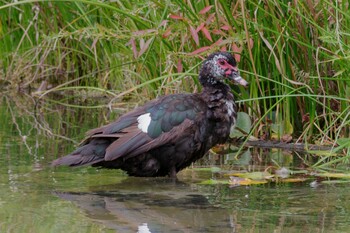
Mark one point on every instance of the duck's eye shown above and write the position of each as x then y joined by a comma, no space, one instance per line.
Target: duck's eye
222,62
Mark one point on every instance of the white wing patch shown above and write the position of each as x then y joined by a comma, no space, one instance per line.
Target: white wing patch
144,121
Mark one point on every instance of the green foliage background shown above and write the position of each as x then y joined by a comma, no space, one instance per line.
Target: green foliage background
295,54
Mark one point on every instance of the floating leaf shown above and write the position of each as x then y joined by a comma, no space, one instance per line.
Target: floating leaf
213,182
254,175
205,10
237,181
209,169
292,180
334,175
335,181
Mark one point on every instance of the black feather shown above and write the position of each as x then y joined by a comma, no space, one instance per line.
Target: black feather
155,128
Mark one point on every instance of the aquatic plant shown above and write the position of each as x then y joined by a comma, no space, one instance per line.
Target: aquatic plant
295,55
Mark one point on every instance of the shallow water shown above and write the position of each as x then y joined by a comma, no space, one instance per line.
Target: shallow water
37,198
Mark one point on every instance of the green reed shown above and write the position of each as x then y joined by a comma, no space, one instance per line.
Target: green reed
294,54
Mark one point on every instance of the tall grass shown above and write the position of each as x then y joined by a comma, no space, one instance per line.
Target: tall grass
295,54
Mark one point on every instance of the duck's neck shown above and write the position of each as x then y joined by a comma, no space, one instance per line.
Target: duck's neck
221,111
214,93
219,100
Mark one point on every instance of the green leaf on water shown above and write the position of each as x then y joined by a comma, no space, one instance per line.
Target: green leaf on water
254,175
214,182
292,180
335,181
237,181
334,175
209,169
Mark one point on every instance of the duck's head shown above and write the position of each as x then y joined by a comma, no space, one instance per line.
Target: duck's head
218,67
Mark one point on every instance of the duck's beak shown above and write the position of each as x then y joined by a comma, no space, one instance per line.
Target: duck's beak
236,77
232,73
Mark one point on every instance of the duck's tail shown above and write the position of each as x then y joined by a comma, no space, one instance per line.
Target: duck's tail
91,153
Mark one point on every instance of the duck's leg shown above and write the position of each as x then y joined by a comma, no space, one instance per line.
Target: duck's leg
172,173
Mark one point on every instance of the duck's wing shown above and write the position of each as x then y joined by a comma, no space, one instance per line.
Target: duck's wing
155,124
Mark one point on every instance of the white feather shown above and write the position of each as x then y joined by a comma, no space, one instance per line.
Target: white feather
144,121
229,108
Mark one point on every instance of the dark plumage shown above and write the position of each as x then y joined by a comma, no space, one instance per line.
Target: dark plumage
167,134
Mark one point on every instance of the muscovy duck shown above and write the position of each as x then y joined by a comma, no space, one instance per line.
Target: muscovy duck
167,134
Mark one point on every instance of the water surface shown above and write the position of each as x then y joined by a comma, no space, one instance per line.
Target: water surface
37,198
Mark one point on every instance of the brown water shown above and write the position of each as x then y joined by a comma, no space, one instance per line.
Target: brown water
37,198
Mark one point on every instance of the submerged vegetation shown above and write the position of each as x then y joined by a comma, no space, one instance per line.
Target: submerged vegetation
295,54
